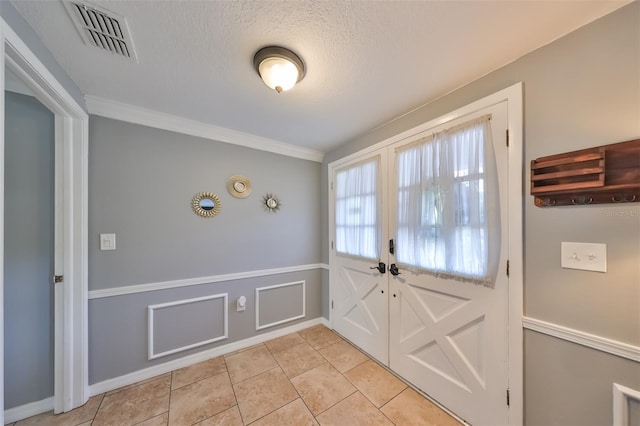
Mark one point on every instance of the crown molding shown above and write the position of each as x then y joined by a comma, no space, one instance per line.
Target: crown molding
159,120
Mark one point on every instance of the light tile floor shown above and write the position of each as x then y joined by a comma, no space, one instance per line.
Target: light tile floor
306,378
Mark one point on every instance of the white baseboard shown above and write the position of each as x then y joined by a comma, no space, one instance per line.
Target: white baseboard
27,410
156,370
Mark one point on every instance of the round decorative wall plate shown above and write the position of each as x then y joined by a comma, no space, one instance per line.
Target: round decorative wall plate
239,186
206,204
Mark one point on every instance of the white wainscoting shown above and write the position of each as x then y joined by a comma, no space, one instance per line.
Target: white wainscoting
151,329
621,397
589,340
163,285
284,320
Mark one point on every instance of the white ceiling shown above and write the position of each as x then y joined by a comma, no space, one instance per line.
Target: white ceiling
367,61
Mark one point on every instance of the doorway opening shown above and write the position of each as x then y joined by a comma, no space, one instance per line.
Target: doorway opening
70,307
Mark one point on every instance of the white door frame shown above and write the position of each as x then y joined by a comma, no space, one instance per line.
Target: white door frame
513,96
71,134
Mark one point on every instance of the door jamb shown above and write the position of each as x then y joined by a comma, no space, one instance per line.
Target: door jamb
72,134
514,97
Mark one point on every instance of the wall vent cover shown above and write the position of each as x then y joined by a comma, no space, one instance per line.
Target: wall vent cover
101,28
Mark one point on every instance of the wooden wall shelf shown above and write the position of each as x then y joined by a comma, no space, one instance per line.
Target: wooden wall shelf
604,174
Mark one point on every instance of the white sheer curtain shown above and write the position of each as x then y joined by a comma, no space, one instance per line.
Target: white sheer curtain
448,221
356,210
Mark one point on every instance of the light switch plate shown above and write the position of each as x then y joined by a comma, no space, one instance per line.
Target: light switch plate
584,256
107,242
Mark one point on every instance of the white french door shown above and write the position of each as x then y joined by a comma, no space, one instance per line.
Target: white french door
449,336
446,331
359,283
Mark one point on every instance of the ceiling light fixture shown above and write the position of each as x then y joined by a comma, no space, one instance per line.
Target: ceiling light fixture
279,68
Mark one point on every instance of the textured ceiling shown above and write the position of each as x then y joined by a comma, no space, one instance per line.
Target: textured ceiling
367,61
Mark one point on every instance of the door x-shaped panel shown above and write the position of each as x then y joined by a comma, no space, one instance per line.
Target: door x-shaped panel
443,333
360,311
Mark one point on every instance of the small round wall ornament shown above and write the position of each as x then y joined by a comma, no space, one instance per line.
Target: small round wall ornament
206,204
271,203
239,186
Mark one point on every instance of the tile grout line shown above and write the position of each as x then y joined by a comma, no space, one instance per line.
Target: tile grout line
93,419
170,397
368,358
304,341
338,402
248,378
327,361
233,389
288,380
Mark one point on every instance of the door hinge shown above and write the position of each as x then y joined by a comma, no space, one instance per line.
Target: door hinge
58,279
507,132
332,304
508,268
331,245
332,186
508,398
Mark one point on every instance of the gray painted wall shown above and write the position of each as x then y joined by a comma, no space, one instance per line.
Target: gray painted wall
141,182
33,41
570,379
580,91
28,250
634,412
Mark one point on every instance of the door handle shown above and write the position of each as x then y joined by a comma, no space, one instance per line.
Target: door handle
393,269
382,268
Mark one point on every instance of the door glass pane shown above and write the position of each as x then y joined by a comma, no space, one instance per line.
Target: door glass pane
356,215
442,217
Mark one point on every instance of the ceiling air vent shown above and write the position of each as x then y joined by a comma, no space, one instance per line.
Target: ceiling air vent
101,28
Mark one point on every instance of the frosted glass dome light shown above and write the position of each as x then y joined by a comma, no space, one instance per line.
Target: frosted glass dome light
279,68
